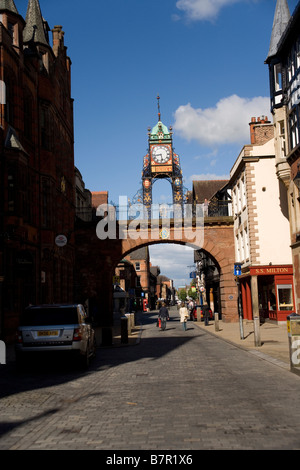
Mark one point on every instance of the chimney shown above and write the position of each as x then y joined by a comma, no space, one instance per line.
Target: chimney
252,131
58,39
258,135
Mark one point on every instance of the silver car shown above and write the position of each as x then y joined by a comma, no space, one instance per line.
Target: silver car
55,328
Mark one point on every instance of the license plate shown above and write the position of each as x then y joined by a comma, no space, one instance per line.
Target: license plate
47,333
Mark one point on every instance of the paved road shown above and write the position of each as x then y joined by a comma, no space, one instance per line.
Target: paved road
176,390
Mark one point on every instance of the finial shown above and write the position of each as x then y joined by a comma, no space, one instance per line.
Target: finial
158,106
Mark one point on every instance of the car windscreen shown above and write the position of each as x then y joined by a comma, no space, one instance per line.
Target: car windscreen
49,316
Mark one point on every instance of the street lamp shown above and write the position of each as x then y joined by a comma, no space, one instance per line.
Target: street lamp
237,273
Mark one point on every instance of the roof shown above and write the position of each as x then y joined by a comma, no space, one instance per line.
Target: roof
141,253
155,270
8,5
281,20
35,24
207,189
99,197
162,278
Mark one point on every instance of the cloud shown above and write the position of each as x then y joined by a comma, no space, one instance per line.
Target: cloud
226,123
174,261
203,9
208,176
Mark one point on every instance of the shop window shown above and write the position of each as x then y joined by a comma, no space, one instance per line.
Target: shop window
285,297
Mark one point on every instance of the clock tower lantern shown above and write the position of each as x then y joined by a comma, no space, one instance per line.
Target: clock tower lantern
161,162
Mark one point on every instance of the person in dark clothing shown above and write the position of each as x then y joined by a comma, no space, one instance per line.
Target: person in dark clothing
206,314
163,316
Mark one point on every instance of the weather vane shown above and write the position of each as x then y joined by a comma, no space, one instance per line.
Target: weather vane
158,106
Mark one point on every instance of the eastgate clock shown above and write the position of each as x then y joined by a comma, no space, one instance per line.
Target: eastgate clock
161,153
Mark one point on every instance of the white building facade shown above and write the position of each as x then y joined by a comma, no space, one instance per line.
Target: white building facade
261,228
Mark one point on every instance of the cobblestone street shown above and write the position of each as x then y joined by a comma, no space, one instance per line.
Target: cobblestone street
174,390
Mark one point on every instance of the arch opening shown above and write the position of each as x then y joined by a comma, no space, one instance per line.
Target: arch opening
150,274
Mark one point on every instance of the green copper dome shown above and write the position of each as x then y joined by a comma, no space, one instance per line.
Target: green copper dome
160,131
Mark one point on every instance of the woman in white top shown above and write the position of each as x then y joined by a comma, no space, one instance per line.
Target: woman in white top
183,312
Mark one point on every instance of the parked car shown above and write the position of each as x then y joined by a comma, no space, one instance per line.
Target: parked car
55,328
193,315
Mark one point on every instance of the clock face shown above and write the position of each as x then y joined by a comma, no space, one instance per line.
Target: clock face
161,154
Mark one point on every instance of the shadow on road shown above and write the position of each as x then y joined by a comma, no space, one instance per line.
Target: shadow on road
46,373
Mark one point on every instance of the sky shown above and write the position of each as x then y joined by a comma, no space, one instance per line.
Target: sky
204,58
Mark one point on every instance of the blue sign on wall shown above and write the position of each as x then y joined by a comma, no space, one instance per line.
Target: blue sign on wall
237,269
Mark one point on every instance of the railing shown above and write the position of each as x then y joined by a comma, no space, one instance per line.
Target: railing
160,211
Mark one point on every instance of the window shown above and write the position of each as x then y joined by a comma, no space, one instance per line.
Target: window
138,281
298,54
9,108
45,128
11,30
28,116
243,193
294,131
234,202
238,249
282,139
246,244
285,297
137,266
278,77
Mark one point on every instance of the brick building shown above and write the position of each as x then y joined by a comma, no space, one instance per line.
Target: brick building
37,164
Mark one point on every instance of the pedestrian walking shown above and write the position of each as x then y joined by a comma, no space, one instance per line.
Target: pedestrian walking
206,314
183,312
163,316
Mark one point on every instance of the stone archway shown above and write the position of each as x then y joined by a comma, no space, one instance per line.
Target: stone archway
96,261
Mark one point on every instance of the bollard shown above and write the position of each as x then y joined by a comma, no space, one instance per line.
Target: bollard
124,330
257,340
132,320
127,315
216,321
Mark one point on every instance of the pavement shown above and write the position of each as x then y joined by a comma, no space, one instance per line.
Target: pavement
274,342
274,339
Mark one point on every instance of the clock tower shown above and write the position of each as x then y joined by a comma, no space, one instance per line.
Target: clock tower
161,162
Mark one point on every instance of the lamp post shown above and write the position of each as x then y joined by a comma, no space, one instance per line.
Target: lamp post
237,273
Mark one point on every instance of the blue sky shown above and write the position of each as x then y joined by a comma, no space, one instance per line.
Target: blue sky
205,58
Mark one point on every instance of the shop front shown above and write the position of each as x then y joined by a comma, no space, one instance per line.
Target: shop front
268,291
